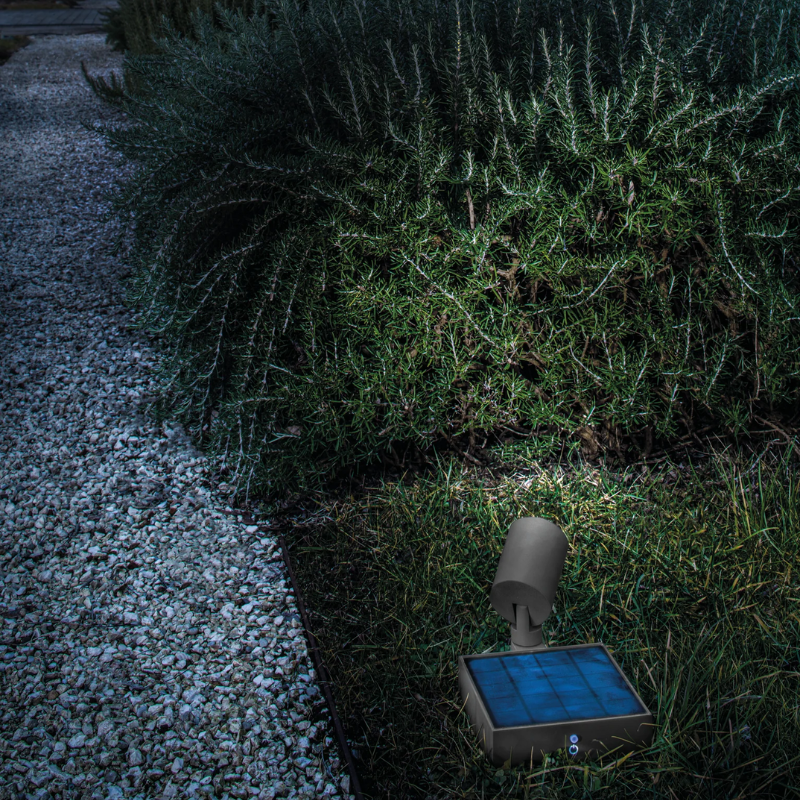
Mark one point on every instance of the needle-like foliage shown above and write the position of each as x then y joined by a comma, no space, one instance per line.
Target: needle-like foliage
364,224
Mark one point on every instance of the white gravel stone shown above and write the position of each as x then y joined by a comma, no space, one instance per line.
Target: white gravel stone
147,635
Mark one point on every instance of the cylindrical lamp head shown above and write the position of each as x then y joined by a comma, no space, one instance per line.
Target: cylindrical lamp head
529,569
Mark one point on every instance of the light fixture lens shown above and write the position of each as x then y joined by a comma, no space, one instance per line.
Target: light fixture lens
574,738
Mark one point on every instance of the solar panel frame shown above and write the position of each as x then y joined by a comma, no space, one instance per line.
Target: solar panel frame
544,686
529,737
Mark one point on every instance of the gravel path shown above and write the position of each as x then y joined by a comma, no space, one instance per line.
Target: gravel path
149,647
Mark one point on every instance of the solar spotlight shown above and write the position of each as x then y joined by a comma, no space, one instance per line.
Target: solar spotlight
534,699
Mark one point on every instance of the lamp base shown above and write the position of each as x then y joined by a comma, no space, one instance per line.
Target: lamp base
515,648
525,730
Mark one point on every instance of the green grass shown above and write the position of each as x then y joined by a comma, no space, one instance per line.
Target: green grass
686,571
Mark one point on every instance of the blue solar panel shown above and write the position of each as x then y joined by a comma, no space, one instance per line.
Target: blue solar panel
552,686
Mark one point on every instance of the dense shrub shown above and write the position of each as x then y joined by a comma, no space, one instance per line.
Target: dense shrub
410,221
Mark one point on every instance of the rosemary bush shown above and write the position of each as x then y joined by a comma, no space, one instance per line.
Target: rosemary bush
370,225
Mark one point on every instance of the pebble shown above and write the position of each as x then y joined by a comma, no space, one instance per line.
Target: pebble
148,646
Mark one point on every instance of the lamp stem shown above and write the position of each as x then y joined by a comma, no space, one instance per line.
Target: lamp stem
525,636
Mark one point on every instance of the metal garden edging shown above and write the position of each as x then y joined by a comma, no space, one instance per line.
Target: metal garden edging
323,678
